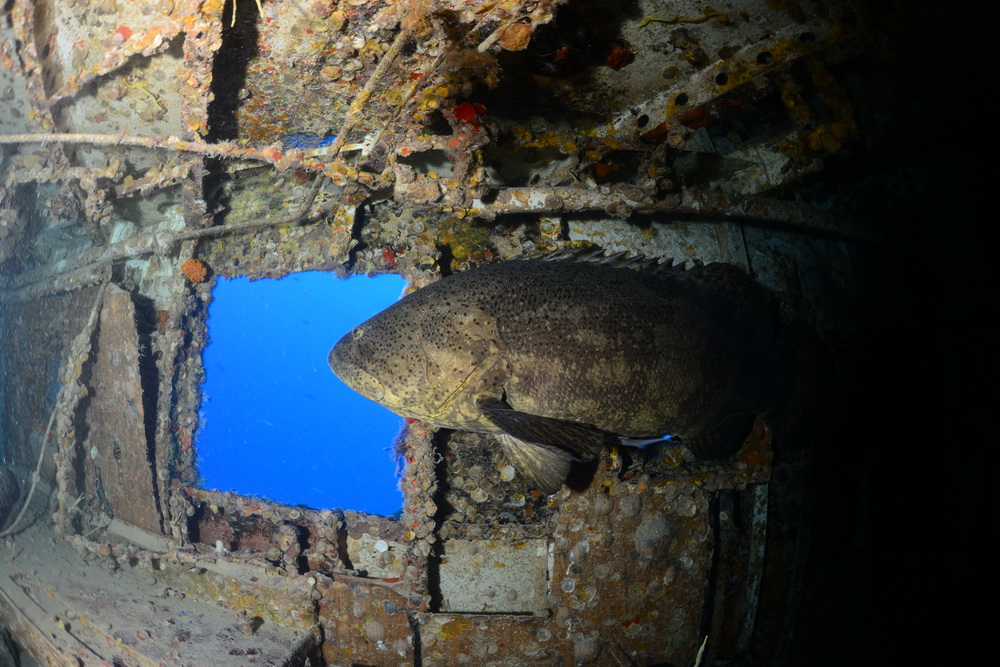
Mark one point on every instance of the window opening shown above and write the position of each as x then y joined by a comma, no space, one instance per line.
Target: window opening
275,422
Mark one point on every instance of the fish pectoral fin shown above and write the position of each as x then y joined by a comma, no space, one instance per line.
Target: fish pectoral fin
546,468
581,442
724,439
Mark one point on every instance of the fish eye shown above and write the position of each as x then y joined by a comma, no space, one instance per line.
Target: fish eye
357,333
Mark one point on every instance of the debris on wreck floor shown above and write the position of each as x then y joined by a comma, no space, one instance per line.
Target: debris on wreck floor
91,608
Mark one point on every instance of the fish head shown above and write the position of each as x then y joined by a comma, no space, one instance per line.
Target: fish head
378,363
417,356
346,360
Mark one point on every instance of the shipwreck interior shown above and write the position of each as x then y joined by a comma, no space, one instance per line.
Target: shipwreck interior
827,148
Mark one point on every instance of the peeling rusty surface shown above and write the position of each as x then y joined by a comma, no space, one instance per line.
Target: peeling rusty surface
447,639
648,573
26,324
365,623
120,474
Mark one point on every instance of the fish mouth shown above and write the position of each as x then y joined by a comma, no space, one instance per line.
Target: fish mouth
352,372
337,359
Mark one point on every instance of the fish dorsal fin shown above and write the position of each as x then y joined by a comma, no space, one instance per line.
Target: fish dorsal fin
618,260
546,468
731,288
720,279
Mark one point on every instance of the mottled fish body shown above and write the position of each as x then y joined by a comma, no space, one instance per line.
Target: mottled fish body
559,357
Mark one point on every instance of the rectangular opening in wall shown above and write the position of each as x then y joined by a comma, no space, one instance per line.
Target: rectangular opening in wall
275,421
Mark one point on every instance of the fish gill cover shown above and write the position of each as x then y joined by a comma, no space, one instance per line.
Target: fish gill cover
275,422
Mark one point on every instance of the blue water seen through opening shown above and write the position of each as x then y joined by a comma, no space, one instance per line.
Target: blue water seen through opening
275,421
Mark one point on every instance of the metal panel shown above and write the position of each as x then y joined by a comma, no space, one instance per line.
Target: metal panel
492,576
116,446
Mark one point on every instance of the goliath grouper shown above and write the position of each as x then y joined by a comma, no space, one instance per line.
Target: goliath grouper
558,358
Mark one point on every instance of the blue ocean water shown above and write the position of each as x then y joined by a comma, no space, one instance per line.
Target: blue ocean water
275,421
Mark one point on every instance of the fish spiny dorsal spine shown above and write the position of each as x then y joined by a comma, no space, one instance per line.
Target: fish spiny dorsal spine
596,255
